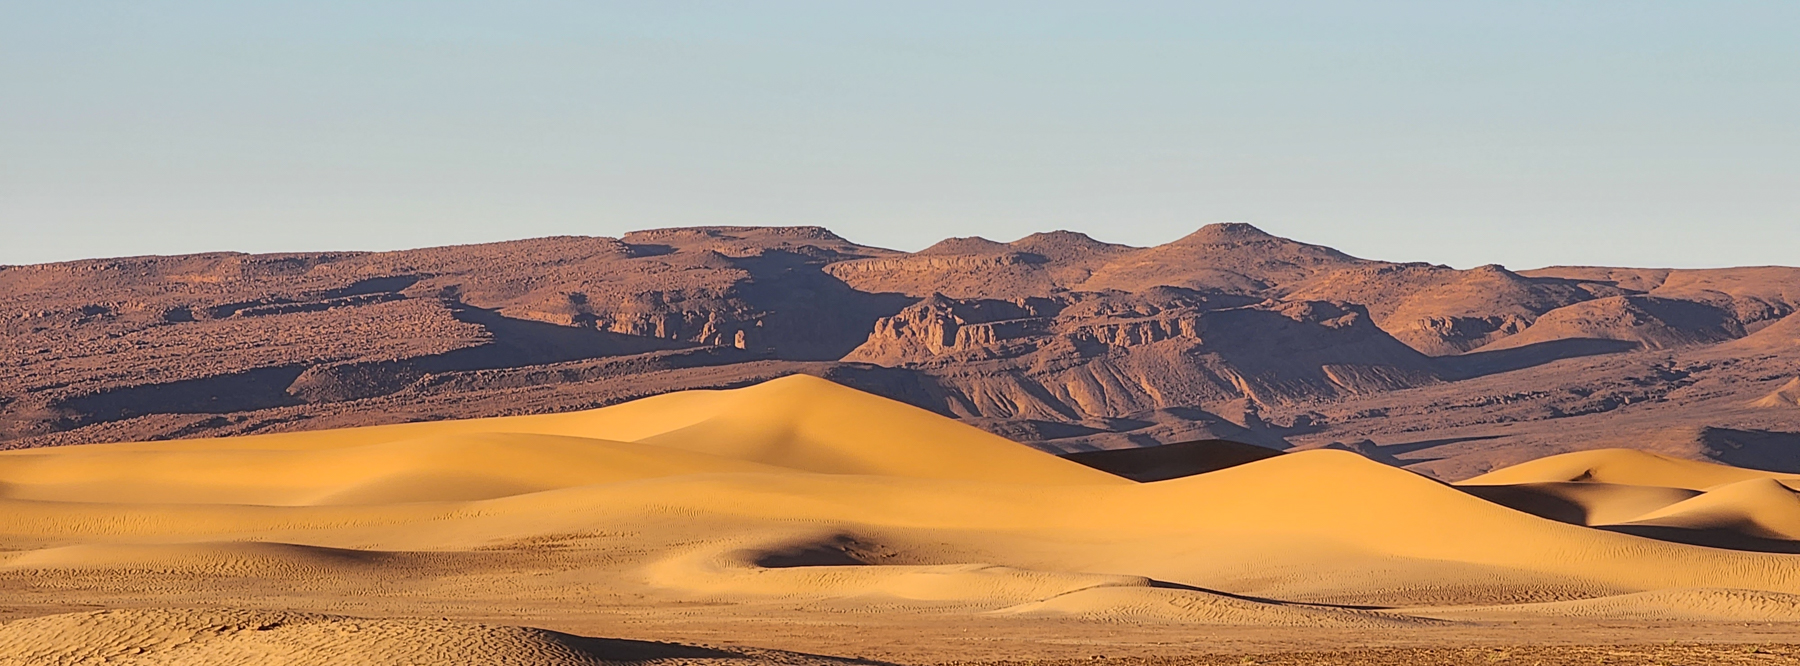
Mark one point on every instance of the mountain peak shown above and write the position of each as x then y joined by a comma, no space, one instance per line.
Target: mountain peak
965,245
1228,232
802,233
1066,245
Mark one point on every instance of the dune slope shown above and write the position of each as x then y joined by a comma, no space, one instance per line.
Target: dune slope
1621,466
1763,508
1172,461
794,423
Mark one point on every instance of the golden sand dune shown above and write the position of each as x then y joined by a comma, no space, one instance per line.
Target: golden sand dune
797,423
1582,502
197,637
802,494
1624,467
1653,495
809,424
1326,515
444,466
1764,508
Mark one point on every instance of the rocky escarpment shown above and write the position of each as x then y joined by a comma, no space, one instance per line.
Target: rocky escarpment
1056,338
108,340
1095,356
1443,311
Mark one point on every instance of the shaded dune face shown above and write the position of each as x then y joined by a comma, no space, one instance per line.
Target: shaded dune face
1656,496
1172,461
812,495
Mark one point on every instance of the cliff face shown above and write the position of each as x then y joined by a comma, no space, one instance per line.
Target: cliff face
1269,351
1055,338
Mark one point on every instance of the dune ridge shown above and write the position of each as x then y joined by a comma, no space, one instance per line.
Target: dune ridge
1653,495
1624,467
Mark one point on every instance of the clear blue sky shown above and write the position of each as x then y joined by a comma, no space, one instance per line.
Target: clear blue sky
1519,132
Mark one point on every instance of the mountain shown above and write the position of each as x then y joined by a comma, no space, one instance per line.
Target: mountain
1056,339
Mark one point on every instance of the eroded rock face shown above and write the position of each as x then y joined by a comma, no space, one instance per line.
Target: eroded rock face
1056,339
1158,365
938,327
1266,351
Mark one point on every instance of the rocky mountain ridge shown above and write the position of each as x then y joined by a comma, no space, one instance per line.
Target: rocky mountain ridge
1055,339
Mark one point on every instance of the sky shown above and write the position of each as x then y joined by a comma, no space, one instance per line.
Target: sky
1521,132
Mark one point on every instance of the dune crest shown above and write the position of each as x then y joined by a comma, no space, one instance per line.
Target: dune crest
795,423
1764,508
1624,467
1656,496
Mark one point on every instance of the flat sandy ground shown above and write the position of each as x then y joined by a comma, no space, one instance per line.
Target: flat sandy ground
911,637
1601,655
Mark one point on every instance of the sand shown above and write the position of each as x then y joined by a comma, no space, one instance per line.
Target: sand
175,637
747,516
1653,495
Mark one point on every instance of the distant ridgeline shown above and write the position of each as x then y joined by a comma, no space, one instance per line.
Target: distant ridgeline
1055,339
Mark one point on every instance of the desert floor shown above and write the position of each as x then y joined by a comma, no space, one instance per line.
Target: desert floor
798,521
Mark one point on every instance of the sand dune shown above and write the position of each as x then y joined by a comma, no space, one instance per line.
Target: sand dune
795,423
446,466
1655,496
806,494
1624,467
813,425
1763,508
1581,502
